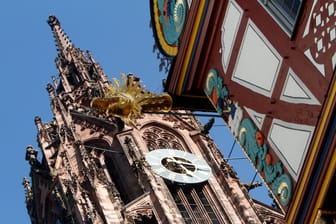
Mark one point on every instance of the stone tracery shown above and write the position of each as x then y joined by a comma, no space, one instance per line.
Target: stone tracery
157,138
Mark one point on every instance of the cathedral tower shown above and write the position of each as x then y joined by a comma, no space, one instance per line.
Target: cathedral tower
95,168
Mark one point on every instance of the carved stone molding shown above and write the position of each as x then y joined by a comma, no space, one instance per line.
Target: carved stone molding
138,208
177,122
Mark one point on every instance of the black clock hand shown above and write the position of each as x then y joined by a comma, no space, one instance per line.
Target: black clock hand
188,172
172,159
184,163
191,164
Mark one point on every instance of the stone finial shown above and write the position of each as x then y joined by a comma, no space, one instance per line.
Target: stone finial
28,191
52,21
31,155
51,91
62,41
38,123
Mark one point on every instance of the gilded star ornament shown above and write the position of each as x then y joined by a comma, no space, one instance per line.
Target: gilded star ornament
128,100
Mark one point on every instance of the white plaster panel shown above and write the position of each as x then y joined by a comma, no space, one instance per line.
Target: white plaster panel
292,88
257,118
229,31
291,142
306,31
189,3
295,91
319,67
258,63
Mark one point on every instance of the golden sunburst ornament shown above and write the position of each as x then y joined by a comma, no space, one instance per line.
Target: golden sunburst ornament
129,100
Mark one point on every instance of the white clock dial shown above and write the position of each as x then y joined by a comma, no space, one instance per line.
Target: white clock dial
178,166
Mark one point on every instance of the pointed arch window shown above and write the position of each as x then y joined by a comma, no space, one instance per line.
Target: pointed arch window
193,204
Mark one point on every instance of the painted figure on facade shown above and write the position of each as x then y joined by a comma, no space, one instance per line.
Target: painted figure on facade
250,138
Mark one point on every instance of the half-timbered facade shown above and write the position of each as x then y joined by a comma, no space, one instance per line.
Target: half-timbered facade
268,67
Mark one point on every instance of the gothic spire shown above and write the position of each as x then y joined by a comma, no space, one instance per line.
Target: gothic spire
63,42
77,70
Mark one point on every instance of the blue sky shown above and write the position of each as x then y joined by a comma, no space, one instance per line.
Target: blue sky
118,35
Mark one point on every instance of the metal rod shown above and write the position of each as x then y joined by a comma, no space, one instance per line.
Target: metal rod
235,158
215,114
255,175
232,147
102,149
189,114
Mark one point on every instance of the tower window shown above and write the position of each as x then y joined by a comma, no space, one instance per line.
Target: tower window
193,204
285,12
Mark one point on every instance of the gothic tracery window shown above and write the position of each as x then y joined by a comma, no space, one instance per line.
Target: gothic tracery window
194,206
159,138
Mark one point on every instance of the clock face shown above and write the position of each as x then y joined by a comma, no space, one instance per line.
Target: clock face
178,166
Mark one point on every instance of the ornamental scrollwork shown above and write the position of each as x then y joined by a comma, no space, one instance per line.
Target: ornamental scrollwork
249,137
219,95
168,18
256,148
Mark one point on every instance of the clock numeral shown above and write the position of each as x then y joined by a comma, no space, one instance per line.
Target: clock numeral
185,178
198,177
160,170
171,176
203,168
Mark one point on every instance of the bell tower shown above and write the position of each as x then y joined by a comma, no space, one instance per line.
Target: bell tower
97,167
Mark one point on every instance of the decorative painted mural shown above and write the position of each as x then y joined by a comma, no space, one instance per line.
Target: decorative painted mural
229,31
219,95
169,19
256,147
250,138
319,37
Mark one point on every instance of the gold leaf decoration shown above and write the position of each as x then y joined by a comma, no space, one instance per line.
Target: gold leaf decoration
128,100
